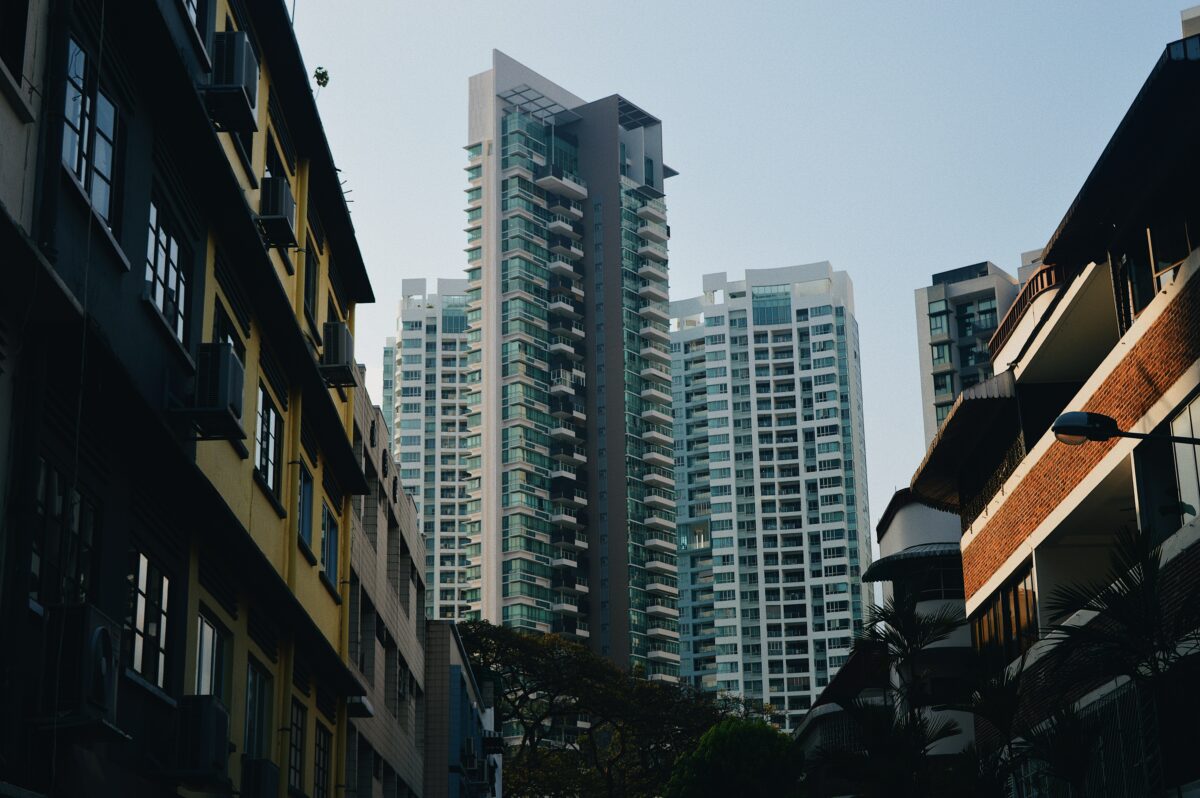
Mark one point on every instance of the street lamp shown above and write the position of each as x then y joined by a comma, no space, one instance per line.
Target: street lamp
1075,428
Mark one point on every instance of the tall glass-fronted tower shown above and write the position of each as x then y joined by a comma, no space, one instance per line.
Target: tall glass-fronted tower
571,493
771,468
427,368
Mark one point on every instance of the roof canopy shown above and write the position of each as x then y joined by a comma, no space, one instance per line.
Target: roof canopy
914,558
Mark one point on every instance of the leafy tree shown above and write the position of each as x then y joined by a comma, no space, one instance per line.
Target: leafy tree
579,725
738,756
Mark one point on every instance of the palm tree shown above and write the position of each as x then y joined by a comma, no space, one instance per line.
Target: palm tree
1136,629
1065,745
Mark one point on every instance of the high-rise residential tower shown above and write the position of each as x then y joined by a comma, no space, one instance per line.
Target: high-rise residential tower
428,370
570,519
956,316
772,484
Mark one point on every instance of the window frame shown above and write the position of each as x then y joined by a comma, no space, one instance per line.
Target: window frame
150,589
305,494
259,710
172,274
80,137
322,760
329,521
297,725
268,441
218,658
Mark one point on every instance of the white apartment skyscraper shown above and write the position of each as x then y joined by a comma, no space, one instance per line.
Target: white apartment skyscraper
770,473
568,511
427,371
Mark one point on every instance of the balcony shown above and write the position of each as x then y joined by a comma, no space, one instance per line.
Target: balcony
560,471
654,211
656,352
653,251
657,435
653,289
562,383
562,226
656,520
654,371
655,311
562,267
659,499
662,655
654,231
559,181
659,564
569,539
564,347
661,542
660,609
562,306
564,558
566,328
565,518
659,416
651,270
567,605
556,203
570,498
660,585
570,583
566,453
657,631
654,333
658,456
653,393
561,245
564,433
1038,292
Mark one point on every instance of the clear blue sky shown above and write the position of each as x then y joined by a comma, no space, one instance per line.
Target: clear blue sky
893,139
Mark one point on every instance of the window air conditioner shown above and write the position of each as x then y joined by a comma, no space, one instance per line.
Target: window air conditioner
277,212
337,358
203,741
232,94
216,412
85,689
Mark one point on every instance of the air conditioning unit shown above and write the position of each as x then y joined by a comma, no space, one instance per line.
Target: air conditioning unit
203,742
337,358
83,645
260,778
277,212
232,94
216,411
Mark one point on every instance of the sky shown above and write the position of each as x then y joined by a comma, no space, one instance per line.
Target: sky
894,140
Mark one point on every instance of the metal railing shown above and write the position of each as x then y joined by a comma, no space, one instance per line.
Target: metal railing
1041,281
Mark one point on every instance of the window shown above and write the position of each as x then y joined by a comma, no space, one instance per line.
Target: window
1006,625
329,543
145,634
296,747
269,439
166,280
212,658
1187,457
89,132
941,354
771,304
14,24
943,384
940,412
199,13
258,711
312,281
224,331
937,324
304,510
63,539
322,749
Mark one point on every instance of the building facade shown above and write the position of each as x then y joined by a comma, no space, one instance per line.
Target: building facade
180,400
770,469
386,636
429,364
571,502
956,315
463,753
1110,325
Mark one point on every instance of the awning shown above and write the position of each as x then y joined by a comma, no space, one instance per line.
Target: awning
866,668
888,568
969,424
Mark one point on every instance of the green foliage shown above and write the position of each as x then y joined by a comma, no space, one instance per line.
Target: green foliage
579,726
738,756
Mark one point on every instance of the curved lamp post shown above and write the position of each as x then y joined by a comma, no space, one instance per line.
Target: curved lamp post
1075,428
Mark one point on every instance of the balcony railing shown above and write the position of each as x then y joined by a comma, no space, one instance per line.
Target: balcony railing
1043,280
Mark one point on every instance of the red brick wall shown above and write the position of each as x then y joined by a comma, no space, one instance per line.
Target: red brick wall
1153,365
